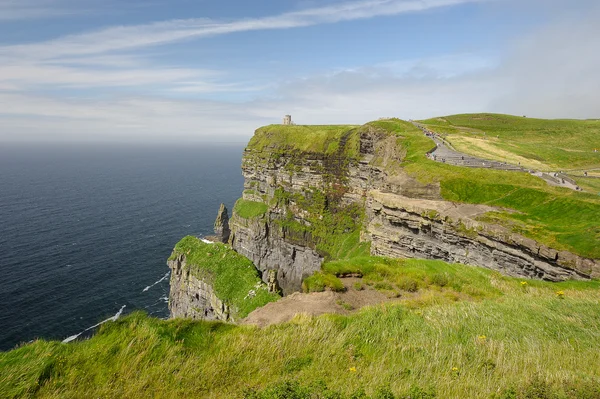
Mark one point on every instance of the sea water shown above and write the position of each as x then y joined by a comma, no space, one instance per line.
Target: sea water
85,231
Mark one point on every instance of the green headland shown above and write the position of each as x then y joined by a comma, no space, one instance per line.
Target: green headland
446,330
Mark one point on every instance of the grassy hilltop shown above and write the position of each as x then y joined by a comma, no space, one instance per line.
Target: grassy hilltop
558,217
540,144
448,331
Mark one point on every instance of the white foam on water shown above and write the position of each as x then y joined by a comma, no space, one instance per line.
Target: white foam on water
206,241
158,282
114,318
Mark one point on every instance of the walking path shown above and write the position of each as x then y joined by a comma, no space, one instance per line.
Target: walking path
444,153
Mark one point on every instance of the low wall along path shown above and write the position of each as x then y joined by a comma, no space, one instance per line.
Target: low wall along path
444,153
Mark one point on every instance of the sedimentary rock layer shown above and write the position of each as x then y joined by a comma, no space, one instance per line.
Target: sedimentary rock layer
405,227
191,297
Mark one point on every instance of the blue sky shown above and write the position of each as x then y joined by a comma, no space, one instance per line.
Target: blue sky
207,70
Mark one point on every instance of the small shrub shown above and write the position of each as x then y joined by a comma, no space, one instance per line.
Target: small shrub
360,394
383,285
384,393
440,279
420,393
409,284
344,305
319,282
358,286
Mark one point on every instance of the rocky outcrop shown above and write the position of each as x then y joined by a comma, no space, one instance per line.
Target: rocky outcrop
404,227
222,231
284,258
404,217
274,247
191,297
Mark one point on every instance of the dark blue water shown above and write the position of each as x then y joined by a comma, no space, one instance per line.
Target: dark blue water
85,230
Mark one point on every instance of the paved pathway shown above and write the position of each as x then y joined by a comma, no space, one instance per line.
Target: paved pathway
444,153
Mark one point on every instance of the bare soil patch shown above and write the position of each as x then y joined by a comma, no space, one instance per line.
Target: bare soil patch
318,303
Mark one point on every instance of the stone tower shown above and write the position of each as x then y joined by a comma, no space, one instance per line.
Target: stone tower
287,120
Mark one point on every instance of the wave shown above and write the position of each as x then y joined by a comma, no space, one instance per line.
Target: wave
158,282
114,318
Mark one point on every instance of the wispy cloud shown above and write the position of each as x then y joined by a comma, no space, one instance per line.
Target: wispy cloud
552,73
36,9
111,57
160,33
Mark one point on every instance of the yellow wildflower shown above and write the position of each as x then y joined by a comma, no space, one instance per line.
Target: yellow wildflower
524,284
482,337
455,369
560,294
352,369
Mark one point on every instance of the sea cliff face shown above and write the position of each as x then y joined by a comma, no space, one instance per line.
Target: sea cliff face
402,217
318,193
191,297
401,227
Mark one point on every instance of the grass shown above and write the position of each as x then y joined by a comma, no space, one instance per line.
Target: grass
250,209
396,277
315,138
537,143
233,276
558,217
319,282
513,342
333,228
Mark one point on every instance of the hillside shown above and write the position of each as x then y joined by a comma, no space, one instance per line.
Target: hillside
541,144
439,281
465,333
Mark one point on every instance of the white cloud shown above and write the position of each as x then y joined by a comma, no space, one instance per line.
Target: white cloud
160,33
554,72
550,73
36,9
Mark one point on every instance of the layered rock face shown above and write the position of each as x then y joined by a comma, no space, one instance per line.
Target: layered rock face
404,218
190,297
403,227
272,247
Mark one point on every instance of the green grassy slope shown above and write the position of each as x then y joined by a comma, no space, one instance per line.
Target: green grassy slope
512,340
314,138
454,332
537,143
231,275
559,217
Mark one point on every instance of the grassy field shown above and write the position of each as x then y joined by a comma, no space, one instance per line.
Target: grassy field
303,138
231,275
464,332
558,217
541,144
250,209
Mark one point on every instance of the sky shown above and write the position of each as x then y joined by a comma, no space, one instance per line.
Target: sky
215,70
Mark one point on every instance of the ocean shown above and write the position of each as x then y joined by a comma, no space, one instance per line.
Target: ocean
85,231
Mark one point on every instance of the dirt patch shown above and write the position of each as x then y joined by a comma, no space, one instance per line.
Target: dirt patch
318,303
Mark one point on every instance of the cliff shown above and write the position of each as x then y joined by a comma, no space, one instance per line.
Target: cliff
210,281
313,194
322,194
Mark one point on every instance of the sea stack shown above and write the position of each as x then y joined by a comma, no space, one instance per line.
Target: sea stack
222,231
